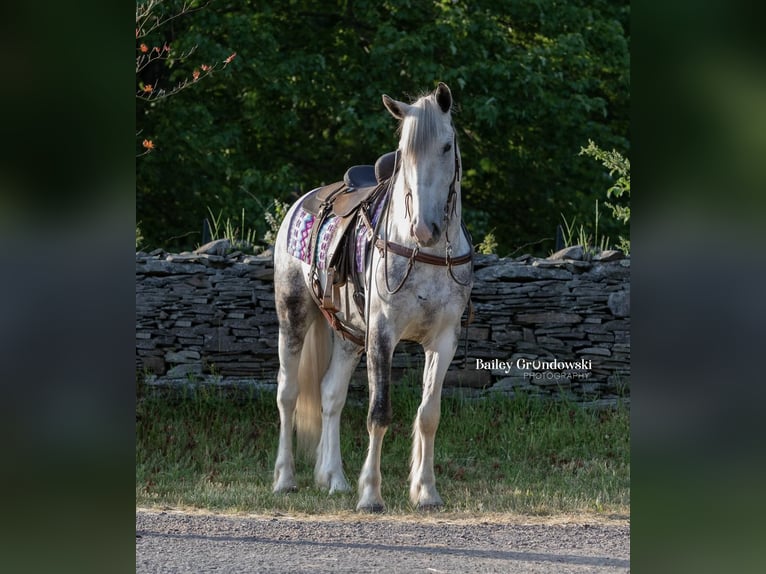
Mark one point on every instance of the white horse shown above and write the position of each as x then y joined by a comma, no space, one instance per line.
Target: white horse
418,276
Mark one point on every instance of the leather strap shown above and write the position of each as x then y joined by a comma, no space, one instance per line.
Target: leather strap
345,331
423,257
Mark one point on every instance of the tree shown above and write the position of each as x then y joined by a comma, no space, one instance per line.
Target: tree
533,80
155,75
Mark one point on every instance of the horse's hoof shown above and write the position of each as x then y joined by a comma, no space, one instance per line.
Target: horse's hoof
372,509
339,487
332,482
286,489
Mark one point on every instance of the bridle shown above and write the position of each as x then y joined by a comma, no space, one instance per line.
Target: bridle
414,254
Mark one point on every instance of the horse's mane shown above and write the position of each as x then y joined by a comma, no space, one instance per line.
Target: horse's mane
421,126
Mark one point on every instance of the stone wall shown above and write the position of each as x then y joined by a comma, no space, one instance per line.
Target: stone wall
555,327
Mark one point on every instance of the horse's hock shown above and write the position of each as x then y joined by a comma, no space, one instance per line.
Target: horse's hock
556,327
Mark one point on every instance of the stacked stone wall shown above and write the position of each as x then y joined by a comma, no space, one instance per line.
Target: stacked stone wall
556,327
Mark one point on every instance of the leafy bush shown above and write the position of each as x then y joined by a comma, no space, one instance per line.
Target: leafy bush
488,246
616,163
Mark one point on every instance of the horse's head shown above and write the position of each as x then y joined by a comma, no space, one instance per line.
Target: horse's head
428,161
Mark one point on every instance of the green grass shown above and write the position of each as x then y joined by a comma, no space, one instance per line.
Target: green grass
216,451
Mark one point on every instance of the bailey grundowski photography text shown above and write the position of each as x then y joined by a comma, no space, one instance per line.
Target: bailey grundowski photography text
539,368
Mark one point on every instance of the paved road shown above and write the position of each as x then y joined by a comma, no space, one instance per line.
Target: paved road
184,542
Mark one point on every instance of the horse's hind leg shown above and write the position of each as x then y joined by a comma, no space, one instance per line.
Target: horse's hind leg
290,345
296,312
328,471
423,491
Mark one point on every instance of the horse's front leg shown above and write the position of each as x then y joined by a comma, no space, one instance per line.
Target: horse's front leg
328,471
380,352
423,493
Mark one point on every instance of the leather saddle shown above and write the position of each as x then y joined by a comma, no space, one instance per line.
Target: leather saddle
359,183
349,201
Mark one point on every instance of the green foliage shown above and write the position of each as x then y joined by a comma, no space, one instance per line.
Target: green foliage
274,220
241,237
579,235
216,451
488,245
531,79
616,163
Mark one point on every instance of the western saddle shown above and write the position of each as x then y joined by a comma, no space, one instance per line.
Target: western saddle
351,201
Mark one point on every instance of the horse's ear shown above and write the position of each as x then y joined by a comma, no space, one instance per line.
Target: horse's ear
444,97
397,109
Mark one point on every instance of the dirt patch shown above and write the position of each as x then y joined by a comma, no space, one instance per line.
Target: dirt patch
183,541
415,517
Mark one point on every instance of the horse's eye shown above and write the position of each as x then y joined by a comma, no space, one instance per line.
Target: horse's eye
446,148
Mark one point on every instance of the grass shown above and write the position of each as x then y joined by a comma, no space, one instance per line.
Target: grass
212,450
579,236
242,238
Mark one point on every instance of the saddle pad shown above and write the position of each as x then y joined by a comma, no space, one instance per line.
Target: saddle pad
298,243
299,239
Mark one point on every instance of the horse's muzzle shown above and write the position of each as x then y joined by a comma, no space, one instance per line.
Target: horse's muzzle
425,235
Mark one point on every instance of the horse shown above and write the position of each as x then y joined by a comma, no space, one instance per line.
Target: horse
417,278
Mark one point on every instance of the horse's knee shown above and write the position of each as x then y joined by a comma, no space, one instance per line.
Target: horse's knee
287,393
380,413
427,420
333,401
332,407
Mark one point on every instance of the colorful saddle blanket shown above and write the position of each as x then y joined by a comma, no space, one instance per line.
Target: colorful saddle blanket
302,225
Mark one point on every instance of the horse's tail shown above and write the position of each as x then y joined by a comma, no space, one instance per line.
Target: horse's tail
315,358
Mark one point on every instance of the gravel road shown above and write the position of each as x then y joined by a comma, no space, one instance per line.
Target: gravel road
173,541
